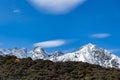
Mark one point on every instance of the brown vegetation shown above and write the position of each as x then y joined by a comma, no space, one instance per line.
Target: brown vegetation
12,68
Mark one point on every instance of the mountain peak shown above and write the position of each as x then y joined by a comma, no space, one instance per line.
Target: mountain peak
38,53
57,53
39,49
90,45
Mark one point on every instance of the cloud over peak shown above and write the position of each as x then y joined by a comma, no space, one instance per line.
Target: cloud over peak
56,6
51,43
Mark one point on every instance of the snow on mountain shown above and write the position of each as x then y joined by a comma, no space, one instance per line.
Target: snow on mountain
55,55
88,53
18,52
5,51
38,53
93,55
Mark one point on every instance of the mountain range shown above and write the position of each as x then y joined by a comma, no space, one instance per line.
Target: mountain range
89,53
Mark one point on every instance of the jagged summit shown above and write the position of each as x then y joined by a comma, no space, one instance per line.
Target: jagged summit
18,52
89,45
38,53
56,54
39,49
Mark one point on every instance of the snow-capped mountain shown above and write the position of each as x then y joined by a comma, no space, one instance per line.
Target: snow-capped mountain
5,51
88,53
56,54
18,52
93,55
38,53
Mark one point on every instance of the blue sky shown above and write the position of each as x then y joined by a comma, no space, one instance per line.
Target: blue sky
25,22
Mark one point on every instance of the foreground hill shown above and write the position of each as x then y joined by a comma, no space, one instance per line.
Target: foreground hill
12,68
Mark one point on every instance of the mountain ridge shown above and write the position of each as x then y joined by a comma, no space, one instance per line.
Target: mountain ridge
89,53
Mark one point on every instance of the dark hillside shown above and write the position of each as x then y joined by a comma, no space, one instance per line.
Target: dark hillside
12,68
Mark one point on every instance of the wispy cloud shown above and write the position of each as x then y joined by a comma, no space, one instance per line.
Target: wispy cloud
51,43
69,50
100,35
56,6
16,11
114,50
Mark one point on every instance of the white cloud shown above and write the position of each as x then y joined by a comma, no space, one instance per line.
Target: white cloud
100,35
16,11
56,6
51,43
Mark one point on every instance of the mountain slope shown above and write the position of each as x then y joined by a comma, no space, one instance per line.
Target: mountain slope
55,55
93,55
